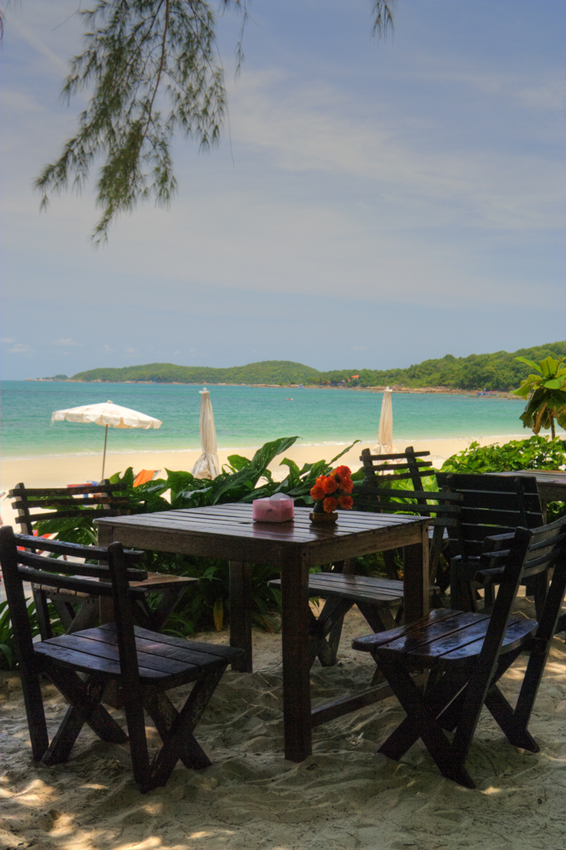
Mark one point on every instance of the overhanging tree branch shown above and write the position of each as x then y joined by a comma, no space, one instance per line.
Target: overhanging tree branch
151,69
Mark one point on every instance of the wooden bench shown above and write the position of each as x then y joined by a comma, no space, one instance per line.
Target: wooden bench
467,653
59,509
143,663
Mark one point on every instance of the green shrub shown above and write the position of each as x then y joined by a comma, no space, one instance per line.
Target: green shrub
534,453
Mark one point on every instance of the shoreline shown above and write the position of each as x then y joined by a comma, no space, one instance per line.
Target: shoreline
395,388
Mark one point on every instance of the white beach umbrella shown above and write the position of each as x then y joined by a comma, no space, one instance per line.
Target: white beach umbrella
385,432
207,465
107,414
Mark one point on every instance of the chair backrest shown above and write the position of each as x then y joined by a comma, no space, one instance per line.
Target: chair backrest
89,501
379,492
491,505
376,493
530,552
104,575
383,469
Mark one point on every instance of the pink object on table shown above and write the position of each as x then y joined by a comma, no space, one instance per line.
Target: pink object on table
278,508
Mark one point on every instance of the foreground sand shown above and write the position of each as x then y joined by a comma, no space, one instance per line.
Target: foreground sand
343,797
68,469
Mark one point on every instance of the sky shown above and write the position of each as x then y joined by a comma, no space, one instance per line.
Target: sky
373,202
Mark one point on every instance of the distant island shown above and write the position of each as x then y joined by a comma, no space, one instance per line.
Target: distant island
499,372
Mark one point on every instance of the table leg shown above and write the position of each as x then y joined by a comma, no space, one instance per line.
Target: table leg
296,658
240,614
416,580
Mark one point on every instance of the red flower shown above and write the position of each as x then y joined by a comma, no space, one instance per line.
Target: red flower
343,472
329,484
317,492
346,502
330,504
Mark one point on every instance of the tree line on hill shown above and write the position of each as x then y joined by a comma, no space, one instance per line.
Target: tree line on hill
495,372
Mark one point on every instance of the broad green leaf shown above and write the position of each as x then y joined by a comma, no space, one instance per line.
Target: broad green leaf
269,451
530,363
345,451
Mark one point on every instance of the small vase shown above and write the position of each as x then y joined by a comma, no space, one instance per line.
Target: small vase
323,518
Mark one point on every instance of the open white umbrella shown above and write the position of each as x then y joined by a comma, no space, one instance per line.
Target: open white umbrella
385,432
207,465
106,414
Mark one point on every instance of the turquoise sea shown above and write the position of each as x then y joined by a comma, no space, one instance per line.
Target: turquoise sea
244,416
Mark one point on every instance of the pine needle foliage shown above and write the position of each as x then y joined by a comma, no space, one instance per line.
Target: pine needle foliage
152,70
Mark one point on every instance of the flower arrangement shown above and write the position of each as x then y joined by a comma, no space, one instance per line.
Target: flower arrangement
332,491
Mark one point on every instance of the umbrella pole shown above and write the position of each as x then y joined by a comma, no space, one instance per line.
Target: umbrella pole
104,452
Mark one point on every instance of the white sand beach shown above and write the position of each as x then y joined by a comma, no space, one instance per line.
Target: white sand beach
58,471
343,797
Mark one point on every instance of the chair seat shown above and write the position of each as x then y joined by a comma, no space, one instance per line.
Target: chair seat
159,656
444,636
354,587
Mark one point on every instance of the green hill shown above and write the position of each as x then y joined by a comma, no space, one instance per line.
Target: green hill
267,372
499,371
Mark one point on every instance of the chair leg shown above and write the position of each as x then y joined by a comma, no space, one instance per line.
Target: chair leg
510,723
176,728
85,698
422,722
325,631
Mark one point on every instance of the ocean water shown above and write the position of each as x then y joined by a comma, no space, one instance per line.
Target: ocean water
244,416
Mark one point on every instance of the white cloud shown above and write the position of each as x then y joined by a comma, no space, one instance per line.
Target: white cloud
20,348
65,342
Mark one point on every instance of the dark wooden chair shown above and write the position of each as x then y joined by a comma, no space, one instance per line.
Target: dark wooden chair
491,505
380,493
467,653
60,507
144,663
377,598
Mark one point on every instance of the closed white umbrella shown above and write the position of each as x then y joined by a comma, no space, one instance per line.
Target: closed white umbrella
207,465
385,432
109,415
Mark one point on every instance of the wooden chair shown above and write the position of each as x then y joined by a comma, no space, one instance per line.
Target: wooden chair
491,505
377,597
59,507
380,493
467,653
144,663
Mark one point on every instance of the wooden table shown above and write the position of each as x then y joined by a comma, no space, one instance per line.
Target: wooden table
227,531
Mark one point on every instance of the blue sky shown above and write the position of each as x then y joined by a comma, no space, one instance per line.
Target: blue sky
372,203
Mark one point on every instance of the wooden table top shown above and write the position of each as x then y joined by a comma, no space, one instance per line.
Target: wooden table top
551,482
229,531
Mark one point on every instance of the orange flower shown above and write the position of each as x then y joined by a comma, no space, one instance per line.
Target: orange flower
317,492
330,504
347,486
343,472
346,502
329,485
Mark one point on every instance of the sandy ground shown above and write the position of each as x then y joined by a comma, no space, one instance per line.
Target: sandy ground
343,797
70,469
